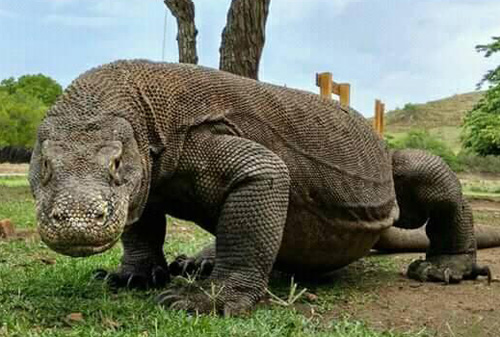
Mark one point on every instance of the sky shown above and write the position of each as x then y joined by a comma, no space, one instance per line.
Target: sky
398,51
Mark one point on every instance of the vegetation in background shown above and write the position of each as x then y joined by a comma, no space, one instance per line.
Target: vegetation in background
38,86
471,162
23,103
446,112
421,139
464,161
481,129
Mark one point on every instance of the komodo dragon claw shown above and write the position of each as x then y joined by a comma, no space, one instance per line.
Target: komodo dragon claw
480,271
158,278
189,266
447,269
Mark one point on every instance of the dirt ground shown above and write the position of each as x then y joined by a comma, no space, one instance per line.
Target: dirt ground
466,309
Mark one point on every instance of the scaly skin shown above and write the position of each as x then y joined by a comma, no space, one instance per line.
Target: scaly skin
281,177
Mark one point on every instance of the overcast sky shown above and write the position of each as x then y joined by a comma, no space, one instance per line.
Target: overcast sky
397,50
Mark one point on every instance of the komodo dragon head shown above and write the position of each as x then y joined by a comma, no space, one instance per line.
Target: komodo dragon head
85,176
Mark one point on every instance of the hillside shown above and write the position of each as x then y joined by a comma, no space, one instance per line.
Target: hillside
442,118
444,112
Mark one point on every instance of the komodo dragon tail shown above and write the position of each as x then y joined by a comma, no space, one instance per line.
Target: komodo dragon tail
415,240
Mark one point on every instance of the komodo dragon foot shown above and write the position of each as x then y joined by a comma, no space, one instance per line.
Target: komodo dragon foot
199,266
447,269
207,297
141,278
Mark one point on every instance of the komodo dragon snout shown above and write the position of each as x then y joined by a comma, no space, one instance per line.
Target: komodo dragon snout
84,194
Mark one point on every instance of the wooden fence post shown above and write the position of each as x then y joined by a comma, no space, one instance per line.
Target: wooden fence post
328,86
376,117
345,93
382,112
378,120
325,83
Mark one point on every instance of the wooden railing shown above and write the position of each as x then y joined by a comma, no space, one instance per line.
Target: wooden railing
328,87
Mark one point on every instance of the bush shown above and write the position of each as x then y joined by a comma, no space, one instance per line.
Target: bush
20,115
481,128
421,139
471,162
38,86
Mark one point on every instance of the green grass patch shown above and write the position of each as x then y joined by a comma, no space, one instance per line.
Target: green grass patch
481,187
17,204
14,181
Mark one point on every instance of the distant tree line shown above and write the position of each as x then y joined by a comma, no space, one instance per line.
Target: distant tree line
23,103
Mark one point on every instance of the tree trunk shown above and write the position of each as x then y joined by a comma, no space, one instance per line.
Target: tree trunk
243,37
183,11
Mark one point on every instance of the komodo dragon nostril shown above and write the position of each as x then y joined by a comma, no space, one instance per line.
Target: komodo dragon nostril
56,215
100,214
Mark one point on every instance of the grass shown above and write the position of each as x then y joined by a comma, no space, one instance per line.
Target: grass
46,294
481,188
443,112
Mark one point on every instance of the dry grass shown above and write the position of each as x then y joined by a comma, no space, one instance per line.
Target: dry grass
444,112
8,168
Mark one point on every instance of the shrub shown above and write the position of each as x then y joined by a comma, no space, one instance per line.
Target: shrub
471,162
421,139
20,115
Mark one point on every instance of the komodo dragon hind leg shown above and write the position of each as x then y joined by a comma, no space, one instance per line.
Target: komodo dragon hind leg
425,185
199,266
143,263
249,227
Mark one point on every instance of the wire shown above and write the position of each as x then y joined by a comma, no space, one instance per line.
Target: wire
164,36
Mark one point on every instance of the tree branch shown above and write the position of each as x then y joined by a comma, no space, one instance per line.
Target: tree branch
243,37
183,11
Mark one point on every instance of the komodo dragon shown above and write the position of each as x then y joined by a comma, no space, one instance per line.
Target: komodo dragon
281,177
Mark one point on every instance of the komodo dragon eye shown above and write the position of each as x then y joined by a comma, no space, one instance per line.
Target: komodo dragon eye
114,170
45,171
113,153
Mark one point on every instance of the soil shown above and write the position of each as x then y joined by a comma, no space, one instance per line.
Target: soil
466,309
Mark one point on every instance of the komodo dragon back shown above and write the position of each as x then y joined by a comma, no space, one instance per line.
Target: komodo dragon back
315,137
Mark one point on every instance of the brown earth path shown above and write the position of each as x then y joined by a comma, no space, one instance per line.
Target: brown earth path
470,308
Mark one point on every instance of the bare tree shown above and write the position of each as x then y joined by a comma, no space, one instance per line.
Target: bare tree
243,37
183,11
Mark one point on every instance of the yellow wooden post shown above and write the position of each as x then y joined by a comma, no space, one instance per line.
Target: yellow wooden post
376,116
328,86
324,80
382,111
345,93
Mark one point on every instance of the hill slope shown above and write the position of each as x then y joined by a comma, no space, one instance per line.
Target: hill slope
442,118
444,112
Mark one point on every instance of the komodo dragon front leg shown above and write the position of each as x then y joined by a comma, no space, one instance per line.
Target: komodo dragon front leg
143,263
248,185
428,191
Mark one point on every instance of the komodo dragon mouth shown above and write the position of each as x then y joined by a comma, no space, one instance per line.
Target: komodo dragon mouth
76,250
